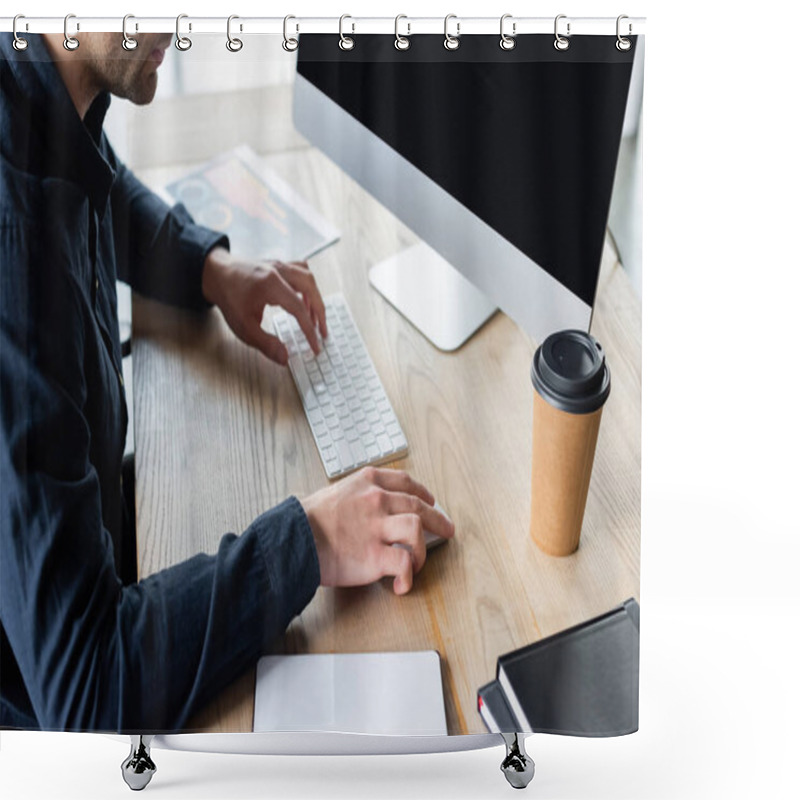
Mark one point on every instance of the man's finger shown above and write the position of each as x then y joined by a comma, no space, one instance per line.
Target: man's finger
279,292
432,519
307,304
397,562
299,277
271,346
396,480
405,530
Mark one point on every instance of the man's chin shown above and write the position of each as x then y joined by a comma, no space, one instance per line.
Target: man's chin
143,93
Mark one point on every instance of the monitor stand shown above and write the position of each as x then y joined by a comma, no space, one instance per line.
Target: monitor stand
432,295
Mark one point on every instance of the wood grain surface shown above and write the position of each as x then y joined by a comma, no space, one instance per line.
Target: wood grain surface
220,436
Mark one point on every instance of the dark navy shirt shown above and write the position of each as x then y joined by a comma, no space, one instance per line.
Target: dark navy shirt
78,649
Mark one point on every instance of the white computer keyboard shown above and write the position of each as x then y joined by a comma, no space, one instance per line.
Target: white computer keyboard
350,415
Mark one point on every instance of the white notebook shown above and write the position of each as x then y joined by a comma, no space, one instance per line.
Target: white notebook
396,694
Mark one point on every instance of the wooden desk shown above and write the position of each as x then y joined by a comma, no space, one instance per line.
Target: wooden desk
220,436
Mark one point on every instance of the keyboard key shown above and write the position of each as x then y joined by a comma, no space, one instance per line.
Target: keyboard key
319,429
303,385
343,451
399,441
359,454
385,444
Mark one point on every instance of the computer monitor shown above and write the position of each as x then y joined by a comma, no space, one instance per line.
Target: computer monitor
502,162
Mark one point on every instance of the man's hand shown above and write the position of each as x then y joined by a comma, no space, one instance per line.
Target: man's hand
357,521
241,290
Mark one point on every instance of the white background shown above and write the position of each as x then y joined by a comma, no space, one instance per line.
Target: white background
720,551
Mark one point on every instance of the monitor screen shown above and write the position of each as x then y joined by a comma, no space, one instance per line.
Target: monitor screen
526,139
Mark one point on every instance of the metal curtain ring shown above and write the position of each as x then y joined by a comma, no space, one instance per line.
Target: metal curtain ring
623,44
401,42
183,43
507,42
19,43
127,42
70,42
561,43
452,42
290,44
346,42
234,45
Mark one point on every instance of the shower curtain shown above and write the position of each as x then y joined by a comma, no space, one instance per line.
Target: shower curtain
184,229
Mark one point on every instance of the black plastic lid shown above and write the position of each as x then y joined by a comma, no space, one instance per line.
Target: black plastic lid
569,370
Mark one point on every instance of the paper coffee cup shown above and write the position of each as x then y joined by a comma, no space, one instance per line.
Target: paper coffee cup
572,382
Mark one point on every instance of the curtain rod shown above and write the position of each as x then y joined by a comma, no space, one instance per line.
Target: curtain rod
465,26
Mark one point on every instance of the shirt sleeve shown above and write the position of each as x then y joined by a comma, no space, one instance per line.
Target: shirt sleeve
188,631
160,250
95,655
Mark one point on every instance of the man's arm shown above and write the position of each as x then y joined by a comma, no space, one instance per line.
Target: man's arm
160,251
95,655
162,254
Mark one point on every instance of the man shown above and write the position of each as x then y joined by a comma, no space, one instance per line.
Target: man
82,648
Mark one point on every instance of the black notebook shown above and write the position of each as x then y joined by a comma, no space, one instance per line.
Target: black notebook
583,681
494,709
